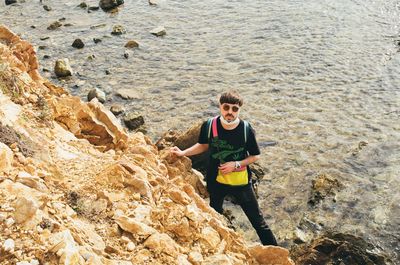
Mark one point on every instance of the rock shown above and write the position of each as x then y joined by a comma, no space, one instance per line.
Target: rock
94,8
6,158
131,44
9,245
47,8
78,43
152,2
322,186
96,93
54,25
133,120
162,243
117,109
118,30
96,40
65,247
159,31
62,68
83,5
210,238
128,94
110,4
270,255
135,227
25,209
9,2
130,246
126,55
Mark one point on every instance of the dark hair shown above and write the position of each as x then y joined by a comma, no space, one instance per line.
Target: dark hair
231,97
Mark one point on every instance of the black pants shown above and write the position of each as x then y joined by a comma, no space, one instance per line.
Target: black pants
246,197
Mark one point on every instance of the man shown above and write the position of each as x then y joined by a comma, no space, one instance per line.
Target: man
233,147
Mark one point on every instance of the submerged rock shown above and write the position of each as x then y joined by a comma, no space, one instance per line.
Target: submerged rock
78,43
62,68
118,30
133,120
54,25
323,186
117,109
96,93
131,44
9,2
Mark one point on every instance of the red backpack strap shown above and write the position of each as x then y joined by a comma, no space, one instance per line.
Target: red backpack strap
214,127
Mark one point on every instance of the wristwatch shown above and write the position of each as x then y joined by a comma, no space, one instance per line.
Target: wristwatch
237,165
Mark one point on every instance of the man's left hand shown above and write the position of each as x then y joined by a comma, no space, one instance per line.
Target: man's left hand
227,167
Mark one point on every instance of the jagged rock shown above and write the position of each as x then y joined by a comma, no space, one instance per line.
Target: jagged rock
110,4
96,93
270,255
78,43
135,227
25,209
323,186
133,120
128,94
117,109
118,30
132,44
62,68
163,243
9,245
64,245
6,158
159,31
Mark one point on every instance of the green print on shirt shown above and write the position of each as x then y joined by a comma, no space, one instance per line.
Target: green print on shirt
227,150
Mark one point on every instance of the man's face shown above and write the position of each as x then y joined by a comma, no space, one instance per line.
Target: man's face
229,111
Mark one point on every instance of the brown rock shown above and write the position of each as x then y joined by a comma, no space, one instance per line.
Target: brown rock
163,243
270,255
25,209
132,44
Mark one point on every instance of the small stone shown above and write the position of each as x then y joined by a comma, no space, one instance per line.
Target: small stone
110,4
98,26
45,38
9,245
83,5
33,26
46,56
3,217
68,25
9,2
118,30
23,263
107,72
126,55
132,44
159,31
62,68
152,2
10,221
96,40
128,94
62,19
34,262
91,57
133,120
97,93
47,8
42,47
78,43
94,8
117,109
131,246
54,25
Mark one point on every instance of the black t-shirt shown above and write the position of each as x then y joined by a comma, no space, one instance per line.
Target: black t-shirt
230,145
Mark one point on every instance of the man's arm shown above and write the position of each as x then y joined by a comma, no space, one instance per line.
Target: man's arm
194,150
230,166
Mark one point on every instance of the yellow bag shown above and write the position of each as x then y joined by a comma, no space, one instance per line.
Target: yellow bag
235,178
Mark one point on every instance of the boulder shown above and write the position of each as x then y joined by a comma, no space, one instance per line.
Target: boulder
158,31
110,4
133,120
62,68
96,93
78,43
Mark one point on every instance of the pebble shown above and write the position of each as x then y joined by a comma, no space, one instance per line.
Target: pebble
9,245
10,221
131,246
47,8
96,40
78,43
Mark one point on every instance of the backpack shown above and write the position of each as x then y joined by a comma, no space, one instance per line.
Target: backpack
212,125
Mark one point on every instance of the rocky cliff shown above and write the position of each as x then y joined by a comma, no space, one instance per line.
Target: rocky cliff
76,188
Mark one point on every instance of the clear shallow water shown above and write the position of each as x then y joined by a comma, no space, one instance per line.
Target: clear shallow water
318,77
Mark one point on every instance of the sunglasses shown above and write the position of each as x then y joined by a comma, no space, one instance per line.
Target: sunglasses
227,107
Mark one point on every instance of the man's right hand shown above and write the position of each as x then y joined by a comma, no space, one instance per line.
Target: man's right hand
176,151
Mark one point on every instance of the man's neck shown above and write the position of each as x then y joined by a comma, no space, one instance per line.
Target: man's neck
229,126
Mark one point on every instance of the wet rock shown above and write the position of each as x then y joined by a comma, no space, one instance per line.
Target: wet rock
338,248
110,4
9,2
46,56
62,68
91,57
126,55
78,43
47,8
117,109
96,93
83,5
54,25
128,94
159,31
323,186
42,47
133,120
131,44
96,40
94,8
118,30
